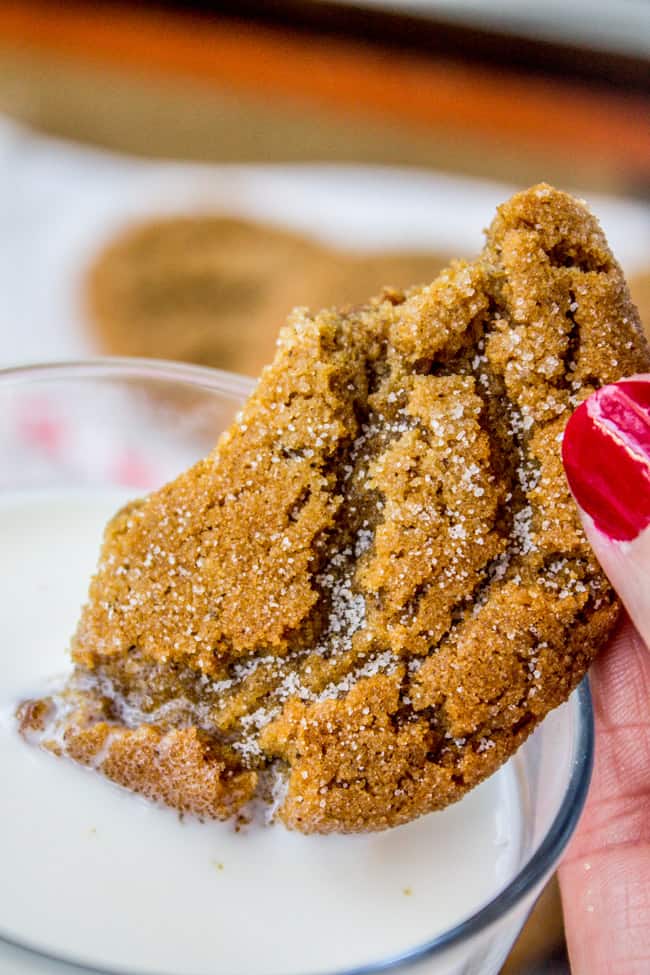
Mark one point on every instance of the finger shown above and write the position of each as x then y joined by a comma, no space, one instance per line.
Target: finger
606,453
605,875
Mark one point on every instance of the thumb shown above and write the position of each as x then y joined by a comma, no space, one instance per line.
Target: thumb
606,454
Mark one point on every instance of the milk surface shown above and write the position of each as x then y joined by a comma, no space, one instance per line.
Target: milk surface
96,875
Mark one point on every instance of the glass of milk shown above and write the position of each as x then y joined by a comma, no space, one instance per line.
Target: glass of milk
97,879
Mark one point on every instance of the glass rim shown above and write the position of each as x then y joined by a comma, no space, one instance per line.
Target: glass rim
166,370
570,809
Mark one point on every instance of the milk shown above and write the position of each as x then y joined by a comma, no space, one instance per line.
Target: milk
100,876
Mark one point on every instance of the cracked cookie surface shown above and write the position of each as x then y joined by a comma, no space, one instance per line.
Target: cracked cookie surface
377,584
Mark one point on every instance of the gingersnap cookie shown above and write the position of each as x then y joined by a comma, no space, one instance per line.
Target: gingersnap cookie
373,589
214,290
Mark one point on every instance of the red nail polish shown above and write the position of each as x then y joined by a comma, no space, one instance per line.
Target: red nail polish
606,454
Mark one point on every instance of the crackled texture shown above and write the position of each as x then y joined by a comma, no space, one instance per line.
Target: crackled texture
377,584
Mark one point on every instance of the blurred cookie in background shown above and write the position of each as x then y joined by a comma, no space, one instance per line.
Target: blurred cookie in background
640,290
215,290
197,289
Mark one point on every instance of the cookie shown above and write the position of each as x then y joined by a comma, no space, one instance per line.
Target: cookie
367,596
214,290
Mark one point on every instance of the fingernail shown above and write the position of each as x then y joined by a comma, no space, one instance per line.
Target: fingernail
606,454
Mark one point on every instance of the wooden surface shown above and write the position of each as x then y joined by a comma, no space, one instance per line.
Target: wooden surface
476,114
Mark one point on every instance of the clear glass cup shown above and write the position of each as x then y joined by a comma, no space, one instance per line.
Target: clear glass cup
137,423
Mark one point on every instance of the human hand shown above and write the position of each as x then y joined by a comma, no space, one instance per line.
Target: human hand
605,875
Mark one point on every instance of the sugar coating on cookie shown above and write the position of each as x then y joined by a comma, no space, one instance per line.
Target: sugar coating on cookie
367,596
